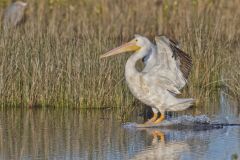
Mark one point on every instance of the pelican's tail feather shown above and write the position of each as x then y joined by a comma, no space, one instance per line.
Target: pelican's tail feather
182,104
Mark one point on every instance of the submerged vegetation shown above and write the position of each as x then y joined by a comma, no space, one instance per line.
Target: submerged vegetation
53,59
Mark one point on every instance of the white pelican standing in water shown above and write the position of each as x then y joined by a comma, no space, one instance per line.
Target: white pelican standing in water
165,73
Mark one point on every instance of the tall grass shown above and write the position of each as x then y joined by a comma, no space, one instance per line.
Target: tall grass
53,59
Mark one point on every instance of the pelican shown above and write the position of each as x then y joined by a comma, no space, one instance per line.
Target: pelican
14,14
165,73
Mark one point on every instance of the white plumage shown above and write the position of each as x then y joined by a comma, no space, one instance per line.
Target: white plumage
164,75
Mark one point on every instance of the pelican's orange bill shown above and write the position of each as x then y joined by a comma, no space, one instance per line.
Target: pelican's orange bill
127,47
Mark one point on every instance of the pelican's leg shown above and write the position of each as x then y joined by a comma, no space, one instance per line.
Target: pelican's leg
151,120
154,117
160,119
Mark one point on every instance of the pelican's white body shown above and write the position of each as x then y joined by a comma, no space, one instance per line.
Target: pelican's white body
160,80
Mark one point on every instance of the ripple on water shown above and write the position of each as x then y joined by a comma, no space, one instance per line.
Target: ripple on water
201,122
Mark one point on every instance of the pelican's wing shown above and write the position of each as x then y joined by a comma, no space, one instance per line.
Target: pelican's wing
173,57
166,84
170,62
159,81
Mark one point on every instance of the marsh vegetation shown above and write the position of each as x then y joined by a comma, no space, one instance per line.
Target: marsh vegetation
53,59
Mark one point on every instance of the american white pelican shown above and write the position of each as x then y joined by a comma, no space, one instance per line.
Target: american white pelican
165,73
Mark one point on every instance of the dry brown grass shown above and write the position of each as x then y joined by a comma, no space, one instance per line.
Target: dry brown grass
53,59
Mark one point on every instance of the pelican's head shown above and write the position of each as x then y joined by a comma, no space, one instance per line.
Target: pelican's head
22,4
134,45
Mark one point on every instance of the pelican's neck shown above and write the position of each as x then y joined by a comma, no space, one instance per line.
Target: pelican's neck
130,68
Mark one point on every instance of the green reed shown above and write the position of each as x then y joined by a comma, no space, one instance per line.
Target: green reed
53,59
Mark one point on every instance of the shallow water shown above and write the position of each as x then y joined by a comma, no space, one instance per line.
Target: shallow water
78,134
85,134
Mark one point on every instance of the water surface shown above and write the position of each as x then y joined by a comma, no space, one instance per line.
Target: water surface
83,134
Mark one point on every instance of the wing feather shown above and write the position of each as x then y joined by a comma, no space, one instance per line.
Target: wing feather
168,66
184,59
180,61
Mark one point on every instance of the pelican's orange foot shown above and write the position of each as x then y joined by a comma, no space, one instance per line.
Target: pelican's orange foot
154,121
154,118
160,119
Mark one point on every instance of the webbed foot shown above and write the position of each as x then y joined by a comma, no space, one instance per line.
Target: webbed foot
152,120
159,120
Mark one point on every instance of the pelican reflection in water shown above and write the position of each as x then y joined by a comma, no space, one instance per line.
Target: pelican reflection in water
161,148
165,73
173,144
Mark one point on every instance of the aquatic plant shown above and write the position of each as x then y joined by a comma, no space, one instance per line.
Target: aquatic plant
234,156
